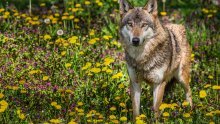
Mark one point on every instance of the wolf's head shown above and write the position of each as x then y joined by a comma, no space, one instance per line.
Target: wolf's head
138,23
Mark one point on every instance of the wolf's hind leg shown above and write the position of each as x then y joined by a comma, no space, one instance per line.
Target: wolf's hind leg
184,78
158,93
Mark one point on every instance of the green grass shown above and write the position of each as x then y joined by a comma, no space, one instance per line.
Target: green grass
80,76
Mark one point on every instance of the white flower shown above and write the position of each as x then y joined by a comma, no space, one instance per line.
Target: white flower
47,21
60,32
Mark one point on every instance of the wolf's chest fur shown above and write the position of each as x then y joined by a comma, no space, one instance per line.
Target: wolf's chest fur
157,60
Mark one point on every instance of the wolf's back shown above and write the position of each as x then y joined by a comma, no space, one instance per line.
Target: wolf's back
181,50
179,32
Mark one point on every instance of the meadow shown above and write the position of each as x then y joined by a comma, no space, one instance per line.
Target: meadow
62,63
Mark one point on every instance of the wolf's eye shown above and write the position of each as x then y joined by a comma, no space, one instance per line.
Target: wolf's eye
129,24
144,25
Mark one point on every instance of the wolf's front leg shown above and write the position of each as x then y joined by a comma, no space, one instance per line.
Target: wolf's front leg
135,88
158,97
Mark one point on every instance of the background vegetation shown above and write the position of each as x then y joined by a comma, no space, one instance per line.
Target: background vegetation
61,63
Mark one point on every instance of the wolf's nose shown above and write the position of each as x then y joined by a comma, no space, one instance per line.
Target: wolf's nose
136,41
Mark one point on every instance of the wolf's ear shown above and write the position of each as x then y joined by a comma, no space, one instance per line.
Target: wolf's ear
124,6
151,6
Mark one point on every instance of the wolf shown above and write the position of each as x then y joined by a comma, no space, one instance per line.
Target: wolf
154,53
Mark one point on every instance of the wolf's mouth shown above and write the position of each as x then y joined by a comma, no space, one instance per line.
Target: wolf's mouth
136,45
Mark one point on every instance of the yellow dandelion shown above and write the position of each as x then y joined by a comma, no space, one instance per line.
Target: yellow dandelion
113,108
122,105
211,122
81,114
65,14
69,91
163,13
45,78
42,4
18,111
118,75
3,106
124,110
56,121
88,64
107,37
138,121
95,70
53,103
71,17
202,94
81,53
72,113
210,77
21,116
207,85
92,32
123,118
192,57
87,2
75,9
58,107
117,98
72,122
186,115
89,115
78,5
80,110
109,71
216,87
104,68
100,4
1,95
112,117
121,86
98,64
185,103
204,10
173,106
73,39
2,10
163,106
21,82
99,120
80,103
7,13
32,72
15,88
210,15
23,91
116,43
142,116
67,65
63,53
166,114
115,121
92,41
209,114
64,17
76,20
216,112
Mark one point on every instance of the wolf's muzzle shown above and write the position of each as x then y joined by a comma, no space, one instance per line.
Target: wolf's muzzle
135,41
